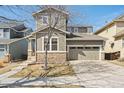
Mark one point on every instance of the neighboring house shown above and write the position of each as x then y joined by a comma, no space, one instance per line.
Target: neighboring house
12,41
114,32
66,43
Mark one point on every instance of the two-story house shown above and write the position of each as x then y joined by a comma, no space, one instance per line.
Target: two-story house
66,43
114,32
13,45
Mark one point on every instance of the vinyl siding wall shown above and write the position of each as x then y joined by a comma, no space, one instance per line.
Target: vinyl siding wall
61,40
18,49
108,33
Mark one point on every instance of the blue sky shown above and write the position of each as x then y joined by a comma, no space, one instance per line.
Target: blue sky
93,15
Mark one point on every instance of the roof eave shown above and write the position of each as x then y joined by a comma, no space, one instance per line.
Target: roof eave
40,11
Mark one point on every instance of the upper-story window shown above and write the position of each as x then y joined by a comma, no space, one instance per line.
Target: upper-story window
76,29
44,19
70,29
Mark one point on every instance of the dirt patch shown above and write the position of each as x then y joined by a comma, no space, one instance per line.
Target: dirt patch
36,70
7,67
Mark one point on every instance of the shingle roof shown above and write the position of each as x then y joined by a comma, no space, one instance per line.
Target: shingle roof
8,41
86,37
121,33
108,24
78,25
53,8
10,24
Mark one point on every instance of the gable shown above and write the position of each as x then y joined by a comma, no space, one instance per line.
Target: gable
54,31
52,10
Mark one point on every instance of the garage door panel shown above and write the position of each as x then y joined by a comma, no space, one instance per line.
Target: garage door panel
84,54
73,55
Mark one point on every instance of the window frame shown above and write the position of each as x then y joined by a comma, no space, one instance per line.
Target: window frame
54,44
42,19
50,43
76,28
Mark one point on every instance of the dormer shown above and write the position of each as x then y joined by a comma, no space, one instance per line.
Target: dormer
49,17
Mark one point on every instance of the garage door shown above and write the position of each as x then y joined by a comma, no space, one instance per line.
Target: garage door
84,53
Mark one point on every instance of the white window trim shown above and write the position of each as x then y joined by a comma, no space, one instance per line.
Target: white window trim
50,43
75,29
42,19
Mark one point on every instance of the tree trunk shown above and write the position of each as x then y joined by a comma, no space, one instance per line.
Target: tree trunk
45,67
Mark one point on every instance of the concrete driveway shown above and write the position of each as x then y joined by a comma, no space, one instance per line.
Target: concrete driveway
99,74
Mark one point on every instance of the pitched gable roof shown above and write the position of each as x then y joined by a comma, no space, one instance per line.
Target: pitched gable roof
117,19
55,9
86,37
121,33
10,24
40,30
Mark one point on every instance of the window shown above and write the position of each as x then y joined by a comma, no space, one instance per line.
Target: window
72,47
2,46
44,19
95,47
87,47
2,50
75,29
54,44
123,42
6,33
80,47
57,19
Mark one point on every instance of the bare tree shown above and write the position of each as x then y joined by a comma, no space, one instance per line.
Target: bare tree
52,23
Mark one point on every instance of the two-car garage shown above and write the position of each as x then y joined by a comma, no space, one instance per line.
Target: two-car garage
85,47
84,53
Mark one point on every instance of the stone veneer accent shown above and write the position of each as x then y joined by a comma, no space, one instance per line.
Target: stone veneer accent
53,57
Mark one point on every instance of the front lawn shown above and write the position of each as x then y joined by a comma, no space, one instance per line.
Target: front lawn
36,70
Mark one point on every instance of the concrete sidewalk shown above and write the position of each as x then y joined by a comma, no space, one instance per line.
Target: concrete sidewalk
14,70
99,74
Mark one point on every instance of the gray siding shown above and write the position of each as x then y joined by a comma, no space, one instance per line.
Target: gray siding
18,49
61,24
61,37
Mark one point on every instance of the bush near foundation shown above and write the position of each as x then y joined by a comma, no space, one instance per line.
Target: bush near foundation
2,63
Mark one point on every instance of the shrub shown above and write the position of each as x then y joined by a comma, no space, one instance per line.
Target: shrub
2,63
